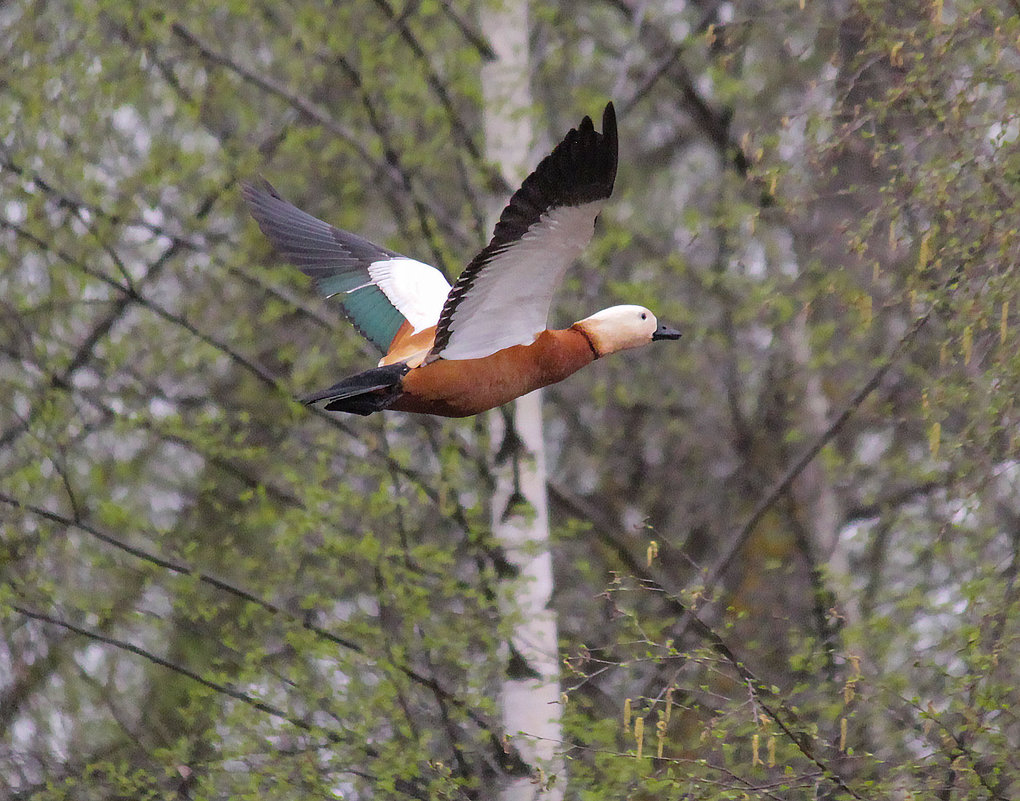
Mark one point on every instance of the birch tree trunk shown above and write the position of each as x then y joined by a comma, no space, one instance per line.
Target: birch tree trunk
530,691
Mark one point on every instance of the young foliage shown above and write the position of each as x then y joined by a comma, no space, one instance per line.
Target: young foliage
208,591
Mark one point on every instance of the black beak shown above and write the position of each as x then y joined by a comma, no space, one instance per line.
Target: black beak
665,332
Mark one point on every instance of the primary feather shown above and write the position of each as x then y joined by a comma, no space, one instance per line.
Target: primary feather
503,296
378,288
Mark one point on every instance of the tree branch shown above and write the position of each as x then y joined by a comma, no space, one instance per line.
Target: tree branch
222,689
715,125
181,568
783,484
394,172
786,719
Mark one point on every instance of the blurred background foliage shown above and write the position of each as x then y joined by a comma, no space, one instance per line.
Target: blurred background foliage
210,592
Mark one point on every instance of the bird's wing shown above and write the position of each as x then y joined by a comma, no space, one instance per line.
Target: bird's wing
377,288
503,296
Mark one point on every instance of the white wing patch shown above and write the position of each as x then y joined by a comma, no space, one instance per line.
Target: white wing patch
417,290
508,303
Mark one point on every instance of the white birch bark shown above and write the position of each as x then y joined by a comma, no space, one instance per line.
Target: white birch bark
530,706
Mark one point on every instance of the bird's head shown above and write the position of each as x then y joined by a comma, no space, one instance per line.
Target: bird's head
623,327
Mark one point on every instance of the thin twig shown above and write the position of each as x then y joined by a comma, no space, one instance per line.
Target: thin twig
784,483
184,569
223,689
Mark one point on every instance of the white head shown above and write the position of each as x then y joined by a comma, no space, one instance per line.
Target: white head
623,327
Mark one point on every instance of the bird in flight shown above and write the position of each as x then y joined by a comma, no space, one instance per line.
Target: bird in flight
457,351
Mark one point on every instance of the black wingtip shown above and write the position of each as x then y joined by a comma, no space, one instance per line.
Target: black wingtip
580,169
611,137
609,120
583,166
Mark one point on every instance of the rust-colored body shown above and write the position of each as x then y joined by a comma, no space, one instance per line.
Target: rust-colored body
459,388
409,347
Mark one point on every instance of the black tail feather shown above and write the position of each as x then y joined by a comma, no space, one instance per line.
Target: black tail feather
364,393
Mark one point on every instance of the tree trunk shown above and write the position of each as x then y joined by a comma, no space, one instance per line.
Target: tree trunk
530,691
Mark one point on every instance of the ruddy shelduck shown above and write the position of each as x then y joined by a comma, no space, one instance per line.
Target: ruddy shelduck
457,351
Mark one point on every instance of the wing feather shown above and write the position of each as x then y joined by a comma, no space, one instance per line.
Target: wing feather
377,288
503,296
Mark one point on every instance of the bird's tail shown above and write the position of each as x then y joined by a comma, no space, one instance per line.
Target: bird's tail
364,393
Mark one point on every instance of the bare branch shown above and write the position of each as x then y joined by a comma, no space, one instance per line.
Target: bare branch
302,104
468,30
223,689
181,568
390,167
715,125
783,484
786,719
85,350
420,53
64,200
892,500
130,293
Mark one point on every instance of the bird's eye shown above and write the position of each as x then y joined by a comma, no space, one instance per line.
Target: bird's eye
644,316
